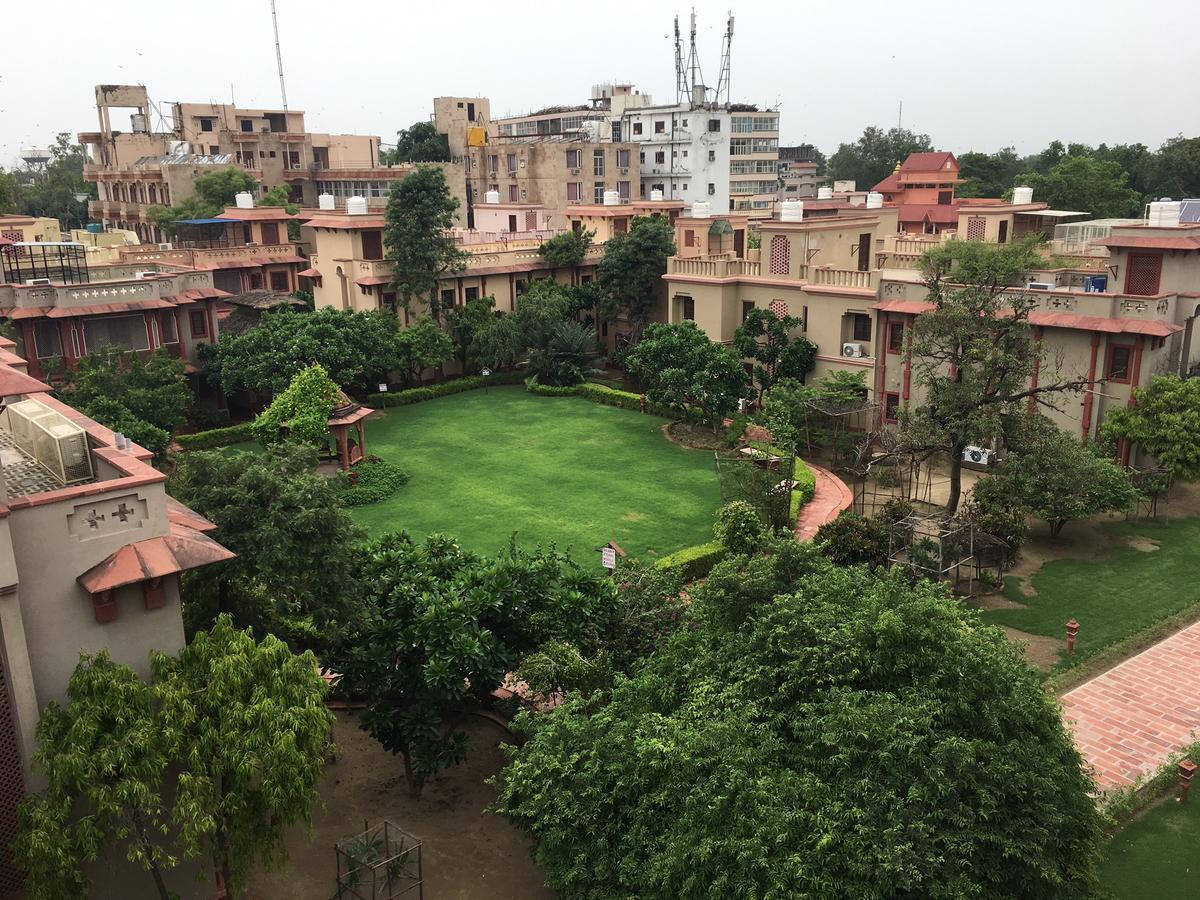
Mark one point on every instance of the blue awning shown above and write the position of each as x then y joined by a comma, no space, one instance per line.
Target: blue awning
206,221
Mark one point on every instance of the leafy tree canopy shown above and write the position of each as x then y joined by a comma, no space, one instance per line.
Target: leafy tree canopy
631,270
830,734
301,412
875,154
420,142
568,357
211,193
567,249
422,345
1098,186
420,212
767,339
1165,422
468,320
52,193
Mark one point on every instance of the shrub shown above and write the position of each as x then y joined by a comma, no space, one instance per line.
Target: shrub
598,393
805,486
851,539
443,388
738,528
377,480
693,562
217,437
550,390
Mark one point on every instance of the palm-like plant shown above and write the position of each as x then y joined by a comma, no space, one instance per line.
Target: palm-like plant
568,357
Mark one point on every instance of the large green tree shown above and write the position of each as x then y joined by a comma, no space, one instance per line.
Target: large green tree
1165,422
51,192
988,174
1097,186
875,155
816,732
420,142
631,270
466,321
420,212
439,629
540,311
1174,171
422,345
767,339
567,250
211,193
8,193
301,411
680,367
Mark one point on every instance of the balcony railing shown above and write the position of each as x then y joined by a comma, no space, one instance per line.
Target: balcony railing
851,278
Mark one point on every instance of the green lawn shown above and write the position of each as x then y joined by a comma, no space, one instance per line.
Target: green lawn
561,469
1115,597
1158,855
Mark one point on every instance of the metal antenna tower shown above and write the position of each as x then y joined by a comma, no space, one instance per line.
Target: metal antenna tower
723,80
682,92
279,56
697,77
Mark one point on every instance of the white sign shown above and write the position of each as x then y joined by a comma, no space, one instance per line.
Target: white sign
383,388
608,558
487,372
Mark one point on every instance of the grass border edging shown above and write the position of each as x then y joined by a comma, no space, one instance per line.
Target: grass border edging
1121,806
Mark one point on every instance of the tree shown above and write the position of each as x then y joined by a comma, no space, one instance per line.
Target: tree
466,321
797,414
1164,421
301,412
357,349
440,628
567,250
279,196
420,142
543,307
144,400
875,155
631,270
247,724
420,346
1059,479
766,338
52,192
974,353
8,193
847,736
211,193
988,174
104,757
680,367
1097,186
294,541
420,212
568,358
1174,171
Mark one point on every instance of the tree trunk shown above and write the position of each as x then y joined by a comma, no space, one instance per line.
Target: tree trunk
956,459
163,893
416,783
1056,527
148,849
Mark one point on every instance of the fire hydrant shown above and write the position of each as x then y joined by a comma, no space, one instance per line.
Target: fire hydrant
1072,631
1187,769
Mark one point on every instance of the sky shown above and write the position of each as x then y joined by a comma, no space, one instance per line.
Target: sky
972,75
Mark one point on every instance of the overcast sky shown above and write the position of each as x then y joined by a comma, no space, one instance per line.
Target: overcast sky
971,75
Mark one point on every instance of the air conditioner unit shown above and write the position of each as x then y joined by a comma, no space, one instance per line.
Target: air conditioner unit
853,349
21,416
574,171
980,456
251,243
624,171
164,246
1039,286
36,281
147,274
58,444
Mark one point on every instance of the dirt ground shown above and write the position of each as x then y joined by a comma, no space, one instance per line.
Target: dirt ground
466,854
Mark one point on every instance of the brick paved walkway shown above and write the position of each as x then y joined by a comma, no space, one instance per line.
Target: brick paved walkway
829,499
1128,720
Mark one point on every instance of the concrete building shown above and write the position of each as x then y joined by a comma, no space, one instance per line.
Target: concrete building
798,178
29,228
91,550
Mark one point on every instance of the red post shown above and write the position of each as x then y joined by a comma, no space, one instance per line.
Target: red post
1187,769
1072,631
642,402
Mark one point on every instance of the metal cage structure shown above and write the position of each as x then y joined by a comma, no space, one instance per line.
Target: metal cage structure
382,862
935,549
51,262
762,479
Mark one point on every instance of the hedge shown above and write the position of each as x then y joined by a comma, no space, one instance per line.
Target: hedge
806,482
693,562
599,393
216,437
443,389
550,390
377,480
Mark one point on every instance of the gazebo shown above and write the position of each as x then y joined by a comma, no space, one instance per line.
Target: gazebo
346,415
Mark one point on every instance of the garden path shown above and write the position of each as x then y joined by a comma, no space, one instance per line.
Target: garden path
829,499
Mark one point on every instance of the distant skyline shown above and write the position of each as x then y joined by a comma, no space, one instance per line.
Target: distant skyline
970,77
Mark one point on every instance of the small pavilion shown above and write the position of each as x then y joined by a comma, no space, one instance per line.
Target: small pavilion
347,415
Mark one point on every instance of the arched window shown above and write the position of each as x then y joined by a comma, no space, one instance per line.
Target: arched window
781,251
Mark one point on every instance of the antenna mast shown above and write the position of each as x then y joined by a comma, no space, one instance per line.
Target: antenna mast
681,87
697,77
723,80
279,56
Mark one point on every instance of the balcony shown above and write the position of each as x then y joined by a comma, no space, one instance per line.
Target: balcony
204,254
850,278
728,266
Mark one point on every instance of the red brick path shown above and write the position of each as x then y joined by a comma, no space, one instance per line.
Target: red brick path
1128,720
830,498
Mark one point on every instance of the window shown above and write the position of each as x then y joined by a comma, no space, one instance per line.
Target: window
747,308
493,164
512,163
514,194
891,406
1142,274
660,156
585,279
1002,238
714,124
895,337
598,192
46,339
712,155
170,333
126,332
622,159
685,123
616,132
280,282
598,163
270,232
637,127
1118,369
660,126
247,125
712,189
689,238
862,327
687,309
198,323
472,293
620,226
574,159
447,298
685,154
206,124
623,189
372,245
574,191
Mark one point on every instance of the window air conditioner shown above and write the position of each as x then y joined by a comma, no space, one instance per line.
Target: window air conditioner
853,349
147,274
574,171
164,246
980,456
1039,286
33,281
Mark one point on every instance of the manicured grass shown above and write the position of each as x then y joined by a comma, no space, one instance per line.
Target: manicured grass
550,469
1115,597
1158,855
241,446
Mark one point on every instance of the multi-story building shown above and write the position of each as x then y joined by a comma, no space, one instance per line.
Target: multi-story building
157,164
798,178
91,550
922,187
30,228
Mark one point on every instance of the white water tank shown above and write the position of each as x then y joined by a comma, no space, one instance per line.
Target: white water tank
325,201
492,197
356,206
137,123
244,200
874,200
612,198
701,209
1164,213
1022,194
825,193
791,211
656,194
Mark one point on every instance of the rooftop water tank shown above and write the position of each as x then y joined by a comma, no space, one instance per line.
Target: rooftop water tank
656,194
244,200
1164,213
325,201
356,206
874,200
493,197
612,198
137,123
95,227
825,193
701,209
1023,194
791,211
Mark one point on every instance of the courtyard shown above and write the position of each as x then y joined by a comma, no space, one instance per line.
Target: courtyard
486,465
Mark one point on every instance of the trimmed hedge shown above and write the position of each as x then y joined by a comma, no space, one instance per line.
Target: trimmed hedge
216,437
550,390
693,562
443,389
806,481
377,480
599,393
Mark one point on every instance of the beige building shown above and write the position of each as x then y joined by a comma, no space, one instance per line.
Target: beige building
30,228
91,550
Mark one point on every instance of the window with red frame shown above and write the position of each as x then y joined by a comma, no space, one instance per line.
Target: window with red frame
199,324
1120,357
1142,274
891,406
895,337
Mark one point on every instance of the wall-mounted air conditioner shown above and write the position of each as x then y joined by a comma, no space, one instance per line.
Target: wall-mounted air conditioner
979,456
852,349
37,281
164,246
146,274
574,171
1039,286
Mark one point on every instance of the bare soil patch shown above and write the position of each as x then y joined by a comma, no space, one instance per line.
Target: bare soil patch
1040,651
697,437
